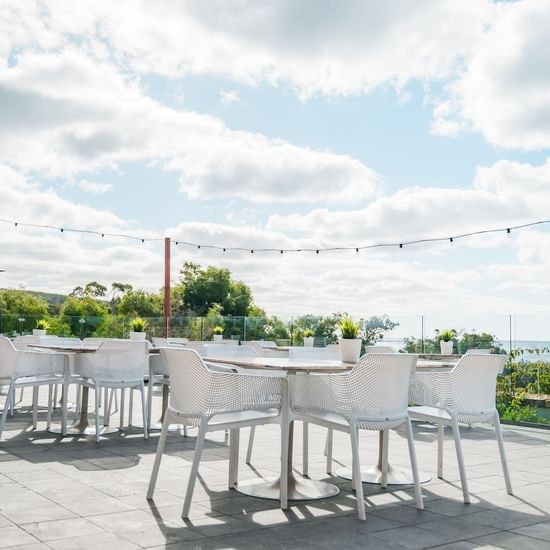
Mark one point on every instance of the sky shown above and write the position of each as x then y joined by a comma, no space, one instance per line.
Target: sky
285,125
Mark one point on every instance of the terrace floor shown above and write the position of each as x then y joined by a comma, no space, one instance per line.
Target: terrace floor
68,492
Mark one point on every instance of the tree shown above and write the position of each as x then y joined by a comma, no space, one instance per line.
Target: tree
374,328
83,314
200,288
20,304
92,289
117,290
137,303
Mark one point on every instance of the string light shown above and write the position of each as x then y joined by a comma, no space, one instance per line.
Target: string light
402,244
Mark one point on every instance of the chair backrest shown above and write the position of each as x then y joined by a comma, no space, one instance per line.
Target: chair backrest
177,341
379,349
328,353
380,383
472,383
189,380
160,342
215,350
478,351
115,361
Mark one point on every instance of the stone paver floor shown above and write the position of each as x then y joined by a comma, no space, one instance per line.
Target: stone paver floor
68,492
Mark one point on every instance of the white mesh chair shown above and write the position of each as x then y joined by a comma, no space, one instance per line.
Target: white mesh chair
478,351
21,368
372,396
213,401
465,394
115,364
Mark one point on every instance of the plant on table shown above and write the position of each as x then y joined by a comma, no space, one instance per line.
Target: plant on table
446,338
42,324
138,324
350,342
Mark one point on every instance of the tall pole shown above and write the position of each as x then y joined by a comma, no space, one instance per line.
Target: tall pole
167,307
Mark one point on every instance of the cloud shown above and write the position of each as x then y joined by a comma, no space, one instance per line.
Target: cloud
229,96
77,115
504,91
328,48
94,187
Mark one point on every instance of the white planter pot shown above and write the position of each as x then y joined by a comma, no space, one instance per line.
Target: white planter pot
446,347
38,332
218,337
350,349
308,341
139,336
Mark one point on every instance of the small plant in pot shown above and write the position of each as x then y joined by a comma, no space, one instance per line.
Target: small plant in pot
42,327
446,342
309,337
218,333
350,342
138,326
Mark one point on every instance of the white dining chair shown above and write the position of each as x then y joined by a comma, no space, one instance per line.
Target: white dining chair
372,396
26,368
465,394
213,401
117,364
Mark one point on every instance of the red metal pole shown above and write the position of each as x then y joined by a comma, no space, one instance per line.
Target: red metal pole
167,307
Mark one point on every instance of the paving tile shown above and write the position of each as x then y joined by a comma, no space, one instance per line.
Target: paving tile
538,531
48,512
507,540
99,541
62,529
15,536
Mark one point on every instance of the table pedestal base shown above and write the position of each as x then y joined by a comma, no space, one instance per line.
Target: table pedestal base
299,488
395,476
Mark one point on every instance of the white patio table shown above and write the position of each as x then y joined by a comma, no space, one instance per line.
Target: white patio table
299,488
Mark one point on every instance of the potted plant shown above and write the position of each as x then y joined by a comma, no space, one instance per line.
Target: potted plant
309,337
350,342
138,326
446,341
218,333
42,327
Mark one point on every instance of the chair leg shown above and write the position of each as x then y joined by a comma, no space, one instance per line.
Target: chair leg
357,472
130,406
158,456
414,465
150,400
50,406
97,393
34,407
7,404
194,469
305,449
250,444
503,460
122,394
55,391
440,445
328,446
144,412
233,457
384,466
460,459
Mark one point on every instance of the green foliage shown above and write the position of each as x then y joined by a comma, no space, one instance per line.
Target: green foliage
138,324
92,289
112,326
199,288
349,328
19,304
83,315
217,329
139,303
42,324
308,333
446,334
58,328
